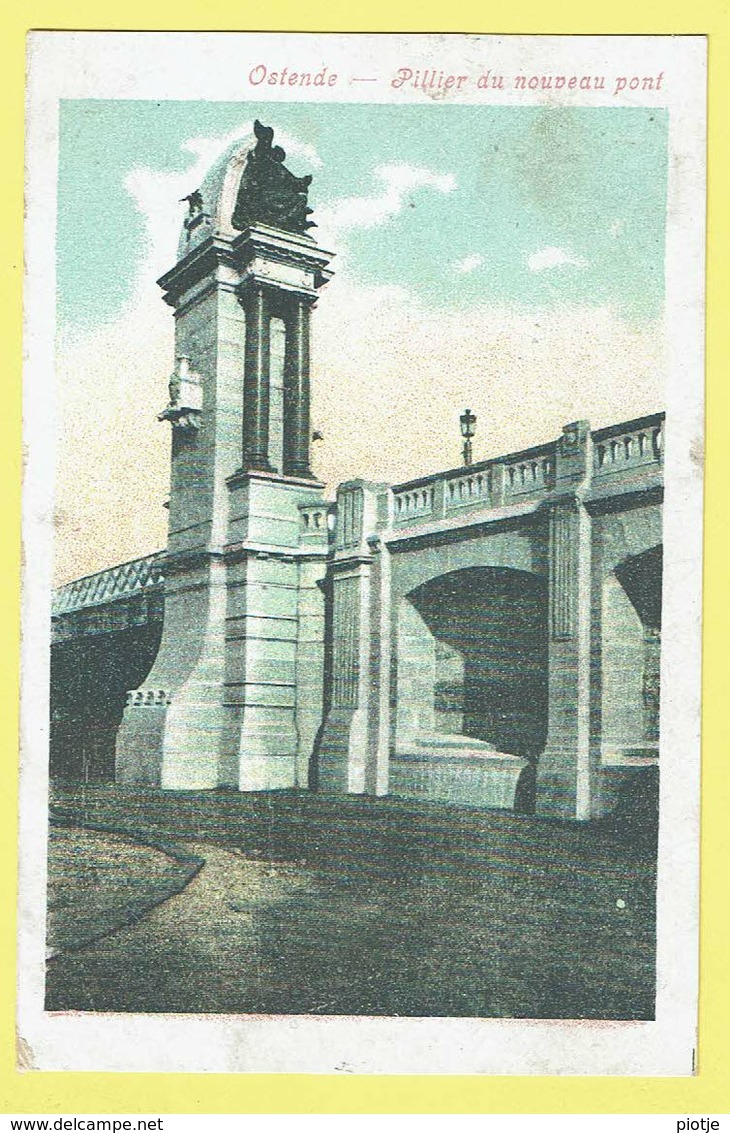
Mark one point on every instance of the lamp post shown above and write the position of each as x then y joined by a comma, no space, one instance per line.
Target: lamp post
468,425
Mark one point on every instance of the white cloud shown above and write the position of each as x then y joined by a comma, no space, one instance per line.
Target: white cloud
524,373
617,227
547,258
367,212
468,264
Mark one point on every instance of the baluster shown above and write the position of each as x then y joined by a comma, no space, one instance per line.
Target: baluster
658,442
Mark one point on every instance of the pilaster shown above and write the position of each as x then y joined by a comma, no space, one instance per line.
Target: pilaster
353,747
566,774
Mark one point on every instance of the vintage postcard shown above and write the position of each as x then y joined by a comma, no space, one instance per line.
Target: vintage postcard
362,521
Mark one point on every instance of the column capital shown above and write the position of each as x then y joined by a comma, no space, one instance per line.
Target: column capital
282,301
250,288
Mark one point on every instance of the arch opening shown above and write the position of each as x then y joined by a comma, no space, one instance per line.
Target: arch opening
472,661
631,652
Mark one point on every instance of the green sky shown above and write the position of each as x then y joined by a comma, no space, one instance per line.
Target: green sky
590,182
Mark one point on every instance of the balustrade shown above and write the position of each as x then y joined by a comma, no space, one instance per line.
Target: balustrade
468,489
514,478
531,474
314,517
616,450
413,503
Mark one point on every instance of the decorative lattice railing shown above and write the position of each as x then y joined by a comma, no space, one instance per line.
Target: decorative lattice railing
109,585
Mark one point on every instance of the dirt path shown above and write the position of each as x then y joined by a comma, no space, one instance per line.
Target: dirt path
99,881
191,946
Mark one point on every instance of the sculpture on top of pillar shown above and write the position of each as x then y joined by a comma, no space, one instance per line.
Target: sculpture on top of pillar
269,193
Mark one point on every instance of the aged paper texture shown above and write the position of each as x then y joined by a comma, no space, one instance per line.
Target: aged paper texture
363,395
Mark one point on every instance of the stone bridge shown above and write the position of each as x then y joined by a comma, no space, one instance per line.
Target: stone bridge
487,636
496,629
105,633
493,632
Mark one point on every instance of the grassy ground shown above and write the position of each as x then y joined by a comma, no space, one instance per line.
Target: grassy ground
309,904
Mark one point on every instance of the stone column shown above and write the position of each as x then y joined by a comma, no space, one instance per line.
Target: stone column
565,774
256,379
381,648
297,390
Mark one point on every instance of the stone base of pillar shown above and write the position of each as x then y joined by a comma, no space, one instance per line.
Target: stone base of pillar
176,725
465,775
631,792
562,791
274,629
300,472
555,795
267,745
257,464
140,743
342,754
177,745
267,773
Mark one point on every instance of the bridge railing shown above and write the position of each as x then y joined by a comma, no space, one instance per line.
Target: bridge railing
632,445
108,585
413,502
532,473
629,447
488,484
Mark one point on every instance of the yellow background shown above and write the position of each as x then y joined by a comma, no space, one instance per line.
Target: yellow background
709,1091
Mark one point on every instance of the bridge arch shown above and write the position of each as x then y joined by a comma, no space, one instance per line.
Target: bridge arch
626,535
522,548
471,660
631,604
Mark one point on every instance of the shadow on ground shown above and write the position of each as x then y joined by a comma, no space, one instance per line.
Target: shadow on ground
312,905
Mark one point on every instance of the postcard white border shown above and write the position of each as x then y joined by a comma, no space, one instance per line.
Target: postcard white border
216,66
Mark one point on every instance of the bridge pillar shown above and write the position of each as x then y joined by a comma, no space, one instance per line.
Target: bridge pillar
235,695
354,745
567,769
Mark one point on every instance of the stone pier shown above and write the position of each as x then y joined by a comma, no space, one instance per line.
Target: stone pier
235,695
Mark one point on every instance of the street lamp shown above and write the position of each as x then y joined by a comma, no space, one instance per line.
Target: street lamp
468,425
